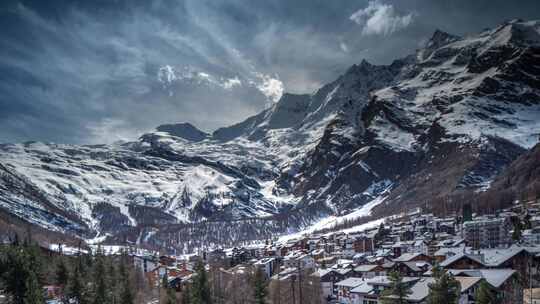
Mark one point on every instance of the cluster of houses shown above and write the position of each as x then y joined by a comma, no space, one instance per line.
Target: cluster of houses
354,267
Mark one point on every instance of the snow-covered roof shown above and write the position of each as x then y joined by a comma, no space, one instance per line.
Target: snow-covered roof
343,271
406,257
365,268
322,272
457,257
467,282
496,257
350,282
444,251
420,290
385,280
495,277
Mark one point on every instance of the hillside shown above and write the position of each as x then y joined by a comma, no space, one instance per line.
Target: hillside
436,124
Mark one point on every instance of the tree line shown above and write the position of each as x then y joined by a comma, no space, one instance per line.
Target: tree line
27,271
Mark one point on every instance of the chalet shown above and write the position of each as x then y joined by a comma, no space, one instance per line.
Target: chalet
411,269
420,290
328,278
505,281
413,257
345,272
521,259
298,259
369,290
446,252
369,271
463,261
468,286
344,289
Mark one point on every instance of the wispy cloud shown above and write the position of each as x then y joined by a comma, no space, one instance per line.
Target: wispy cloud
269,86
81,71
344,47
380,19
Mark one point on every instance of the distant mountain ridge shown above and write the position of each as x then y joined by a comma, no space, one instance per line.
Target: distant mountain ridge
447,120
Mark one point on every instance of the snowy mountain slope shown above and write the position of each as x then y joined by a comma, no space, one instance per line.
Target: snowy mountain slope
183,130
448,118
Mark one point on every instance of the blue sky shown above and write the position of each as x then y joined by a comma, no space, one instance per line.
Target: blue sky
102,71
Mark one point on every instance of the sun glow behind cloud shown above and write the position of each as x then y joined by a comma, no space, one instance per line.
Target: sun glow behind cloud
269,86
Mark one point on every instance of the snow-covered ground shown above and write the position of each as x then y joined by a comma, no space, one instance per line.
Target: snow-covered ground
331,221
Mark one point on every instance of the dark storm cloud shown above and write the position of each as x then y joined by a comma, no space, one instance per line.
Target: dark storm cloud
99,71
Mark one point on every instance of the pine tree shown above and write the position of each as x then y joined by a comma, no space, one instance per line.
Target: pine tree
398,291
260,287
171,296
62,273
15,276
100,281
467,212
112,281
23,273
516,234
186,295
200,291
76,287
485,294
127,296
34,292
445,289
34,258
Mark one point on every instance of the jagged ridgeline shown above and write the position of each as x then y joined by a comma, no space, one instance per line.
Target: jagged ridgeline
444,122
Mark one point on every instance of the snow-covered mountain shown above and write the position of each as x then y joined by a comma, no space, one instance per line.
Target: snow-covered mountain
448,118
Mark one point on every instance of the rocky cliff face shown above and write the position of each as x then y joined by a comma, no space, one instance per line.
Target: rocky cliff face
449,118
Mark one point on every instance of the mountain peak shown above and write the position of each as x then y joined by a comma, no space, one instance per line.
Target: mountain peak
184,130
362,67
440,38
364,62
